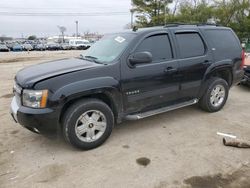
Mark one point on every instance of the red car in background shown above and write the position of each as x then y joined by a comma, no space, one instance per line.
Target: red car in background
246,79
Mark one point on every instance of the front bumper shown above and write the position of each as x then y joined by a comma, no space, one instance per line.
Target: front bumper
14,108
36,120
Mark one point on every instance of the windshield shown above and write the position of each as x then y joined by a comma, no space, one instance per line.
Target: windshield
109,47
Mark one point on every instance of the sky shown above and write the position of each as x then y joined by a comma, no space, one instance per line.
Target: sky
43,16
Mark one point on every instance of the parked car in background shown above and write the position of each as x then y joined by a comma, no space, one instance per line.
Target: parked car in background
10,45
27,47
53,46
246,79
66,46
4,48
79,44
40,47
17,47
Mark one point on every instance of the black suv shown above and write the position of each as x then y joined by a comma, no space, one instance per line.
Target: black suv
128,76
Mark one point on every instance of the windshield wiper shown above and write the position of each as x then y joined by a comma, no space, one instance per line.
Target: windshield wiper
91,58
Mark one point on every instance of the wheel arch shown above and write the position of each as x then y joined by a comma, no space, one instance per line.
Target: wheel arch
109,97
225,72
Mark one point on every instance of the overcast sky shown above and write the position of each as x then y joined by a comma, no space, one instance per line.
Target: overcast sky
113,15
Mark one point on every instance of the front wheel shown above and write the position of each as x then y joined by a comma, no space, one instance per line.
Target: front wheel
215,96
88,123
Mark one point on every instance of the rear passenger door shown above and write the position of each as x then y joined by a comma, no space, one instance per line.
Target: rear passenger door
194,59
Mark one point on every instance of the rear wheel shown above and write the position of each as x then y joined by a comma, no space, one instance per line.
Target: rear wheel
88,123
215,96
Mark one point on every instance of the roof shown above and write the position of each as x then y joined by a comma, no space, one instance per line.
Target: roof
173,25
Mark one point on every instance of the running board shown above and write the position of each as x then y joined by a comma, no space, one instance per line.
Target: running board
160,110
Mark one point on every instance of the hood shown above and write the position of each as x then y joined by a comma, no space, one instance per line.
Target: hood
32,74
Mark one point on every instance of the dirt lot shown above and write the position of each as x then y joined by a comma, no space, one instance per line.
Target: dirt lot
178,148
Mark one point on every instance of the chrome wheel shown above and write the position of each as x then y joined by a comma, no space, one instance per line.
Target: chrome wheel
217,95
90,126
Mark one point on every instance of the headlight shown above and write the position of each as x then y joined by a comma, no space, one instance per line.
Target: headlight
35,98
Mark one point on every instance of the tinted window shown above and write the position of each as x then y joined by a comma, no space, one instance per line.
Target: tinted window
190,44
158,45
224,42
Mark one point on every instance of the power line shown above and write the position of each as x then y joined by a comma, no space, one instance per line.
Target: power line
47,8
3,13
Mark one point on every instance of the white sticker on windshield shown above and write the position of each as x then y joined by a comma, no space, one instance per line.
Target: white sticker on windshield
120,39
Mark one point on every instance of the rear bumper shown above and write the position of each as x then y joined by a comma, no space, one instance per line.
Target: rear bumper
238,76
246,79
43,121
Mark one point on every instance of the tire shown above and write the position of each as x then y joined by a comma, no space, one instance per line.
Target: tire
211,102
81,126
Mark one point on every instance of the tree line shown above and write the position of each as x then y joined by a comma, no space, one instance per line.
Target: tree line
231,13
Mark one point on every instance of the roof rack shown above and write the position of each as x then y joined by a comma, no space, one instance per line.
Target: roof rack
209,24
176,24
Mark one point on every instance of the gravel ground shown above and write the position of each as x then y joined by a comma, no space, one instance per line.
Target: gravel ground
175,149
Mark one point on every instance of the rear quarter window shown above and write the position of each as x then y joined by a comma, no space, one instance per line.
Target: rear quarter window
224,43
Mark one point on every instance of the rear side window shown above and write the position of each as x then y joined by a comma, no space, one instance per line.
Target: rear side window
190,44
224,43
158,45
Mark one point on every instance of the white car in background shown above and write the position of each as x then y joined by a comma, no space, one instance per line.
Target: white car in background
80,44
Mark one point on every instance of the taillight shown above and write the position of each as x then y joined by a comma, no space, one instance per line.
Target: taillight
242,59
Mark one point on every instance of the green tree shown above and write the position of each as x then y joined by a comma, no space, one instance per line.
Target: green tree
150,12
232,13
32,37
235,14
193,13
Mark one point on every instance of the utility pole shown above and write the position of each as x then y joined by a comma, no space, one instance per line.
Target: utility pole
158,12
165,6
76,29
132,17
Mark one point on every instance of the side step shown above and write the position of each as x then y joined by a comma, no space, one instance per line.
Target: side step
160,110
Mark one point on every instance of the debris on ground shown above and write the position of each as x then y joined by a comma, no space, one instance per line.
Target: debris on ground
231,140
143,161
236,143
226,135
125,146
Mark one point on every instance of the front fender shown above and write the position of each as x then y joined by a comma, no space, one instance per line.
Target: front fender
85,87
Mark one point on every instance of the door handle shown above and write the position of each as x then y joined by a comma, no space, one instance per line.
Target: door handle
170,70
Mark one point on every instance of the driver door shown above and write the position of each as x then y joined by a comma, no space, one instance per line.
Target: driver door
152,84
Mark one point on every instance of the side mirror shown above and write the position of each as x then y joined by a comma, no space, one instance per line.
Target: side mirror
140,58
